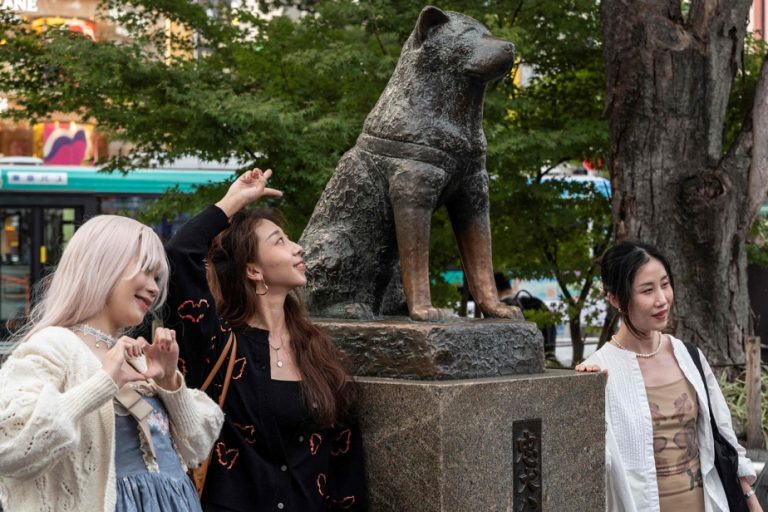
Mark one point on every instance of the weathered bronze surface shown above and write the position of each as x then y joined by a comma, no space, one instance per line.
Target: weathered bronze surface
464,349
422,146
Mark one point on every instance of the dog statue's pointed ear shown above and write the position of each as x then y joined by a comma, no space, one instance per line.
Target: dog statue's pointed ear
429,18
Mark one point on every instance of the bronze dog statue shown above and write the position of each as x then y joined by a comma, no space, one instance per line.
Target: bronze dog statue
422,147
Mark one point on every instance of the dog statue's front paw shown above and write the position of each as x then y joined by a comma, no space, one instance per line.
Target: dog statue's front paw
501,310
431,314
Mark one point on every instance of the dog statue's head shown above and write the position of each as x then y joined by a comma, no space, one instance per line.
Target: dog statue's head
459,45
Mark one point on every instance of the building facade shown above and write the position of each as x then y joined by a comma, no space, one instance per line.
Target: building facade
64,139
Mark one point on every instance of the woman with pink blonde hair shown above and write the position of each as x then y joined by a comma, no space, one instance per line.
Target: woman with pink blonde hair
91,418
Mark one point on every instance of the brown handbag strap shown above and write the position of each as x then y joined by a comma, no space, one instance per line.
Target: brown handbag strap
225,351
228,377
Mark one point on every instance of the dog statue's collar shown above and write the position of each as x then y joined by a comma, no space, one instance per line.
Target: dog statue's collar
411,151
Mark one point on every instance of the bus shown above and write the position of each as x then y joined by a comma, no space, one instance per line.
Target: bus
40,207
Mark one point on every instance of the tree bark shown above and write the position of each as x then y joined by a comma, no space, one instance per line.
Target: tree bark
577,342
668,83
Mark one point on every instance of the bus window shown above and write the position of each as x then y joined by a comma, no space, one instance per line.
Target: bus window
58,228
15,259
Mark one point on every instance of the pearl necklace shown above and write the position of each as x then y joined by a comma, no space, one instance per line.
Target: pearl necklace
101,337
638,354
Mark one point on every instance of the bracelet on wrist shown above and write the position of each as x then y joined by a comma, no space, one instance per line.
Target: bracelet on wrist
749,493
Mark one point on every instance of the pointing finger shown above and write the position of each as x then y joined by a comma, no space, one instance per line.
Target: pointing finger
272,192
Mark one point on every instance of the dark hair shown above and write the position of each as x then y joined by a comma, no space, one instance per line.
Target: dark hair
327,392
618,269
502,282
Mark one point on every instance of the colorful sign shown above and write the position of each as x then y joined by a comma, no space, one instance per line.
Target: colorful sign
85,27
65,143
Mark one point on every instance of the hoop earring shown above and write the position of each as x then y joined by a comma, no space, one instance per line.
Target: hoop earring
266,289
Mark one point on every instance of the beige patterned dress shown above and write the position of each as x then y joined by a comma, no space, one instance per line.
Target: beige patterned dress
674,410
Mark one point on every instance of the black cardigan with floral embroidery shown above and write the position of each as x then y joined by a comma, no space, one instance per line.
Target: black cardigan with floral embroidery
253,467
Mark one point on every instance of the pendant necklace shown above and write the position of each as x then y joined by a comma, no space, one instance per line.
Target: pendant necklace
101,337
277,353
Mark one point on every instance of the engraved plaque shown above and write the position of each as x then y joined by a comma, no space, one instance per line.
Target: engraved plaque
526,451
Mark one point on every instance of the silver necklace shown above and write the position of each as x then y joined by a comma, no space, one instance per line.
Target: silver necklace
277,353
638,354
101,337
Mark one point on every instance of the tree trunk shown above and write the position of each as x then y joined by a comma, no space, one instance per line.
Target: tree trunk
577,342
668,83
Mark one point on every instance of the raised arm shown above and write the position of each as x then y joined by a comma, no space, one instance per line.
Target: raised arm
248,188
190,309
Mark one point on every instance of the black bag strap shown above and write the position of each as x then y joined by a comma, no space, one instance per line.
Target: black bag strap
697,361
520,292
733,492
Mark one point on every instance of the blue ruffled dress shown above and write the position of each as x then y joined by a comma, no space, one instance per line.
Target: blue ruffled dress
144,483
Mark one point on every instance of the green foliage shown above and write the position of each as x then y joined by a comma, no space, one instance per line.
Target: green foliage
278,94
735,393
551,229
564,228
546,229
743,87
557,116
293,95
757,251
542,318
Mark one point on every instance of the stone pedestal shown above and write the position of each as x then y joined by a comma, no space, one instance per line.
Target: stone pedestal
532,443
460,349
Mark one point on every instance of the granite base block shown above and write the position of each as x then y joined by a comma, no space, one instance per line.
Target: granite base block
470,445
461,349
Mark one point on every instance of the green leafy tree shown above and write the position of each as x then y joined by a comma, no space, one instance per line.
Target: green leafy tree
552,229
565,228
292,95
271,93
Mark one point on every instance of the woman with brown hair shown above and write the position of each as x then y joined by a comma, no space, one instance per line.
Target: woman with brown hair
289,440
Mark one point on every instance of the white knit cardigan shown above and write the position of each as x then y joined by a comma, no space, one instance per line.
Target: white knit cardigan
57,426
630,466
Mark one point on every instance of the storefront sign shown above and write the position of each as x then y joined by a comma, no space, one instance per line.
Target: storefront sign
19,5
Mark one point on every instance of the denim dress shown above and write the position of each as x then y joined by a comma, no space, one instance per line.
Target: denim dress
146,483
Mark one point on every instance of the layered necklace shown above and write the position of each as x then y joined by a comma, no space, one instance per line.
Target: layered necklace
279,363
101,337
615,340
